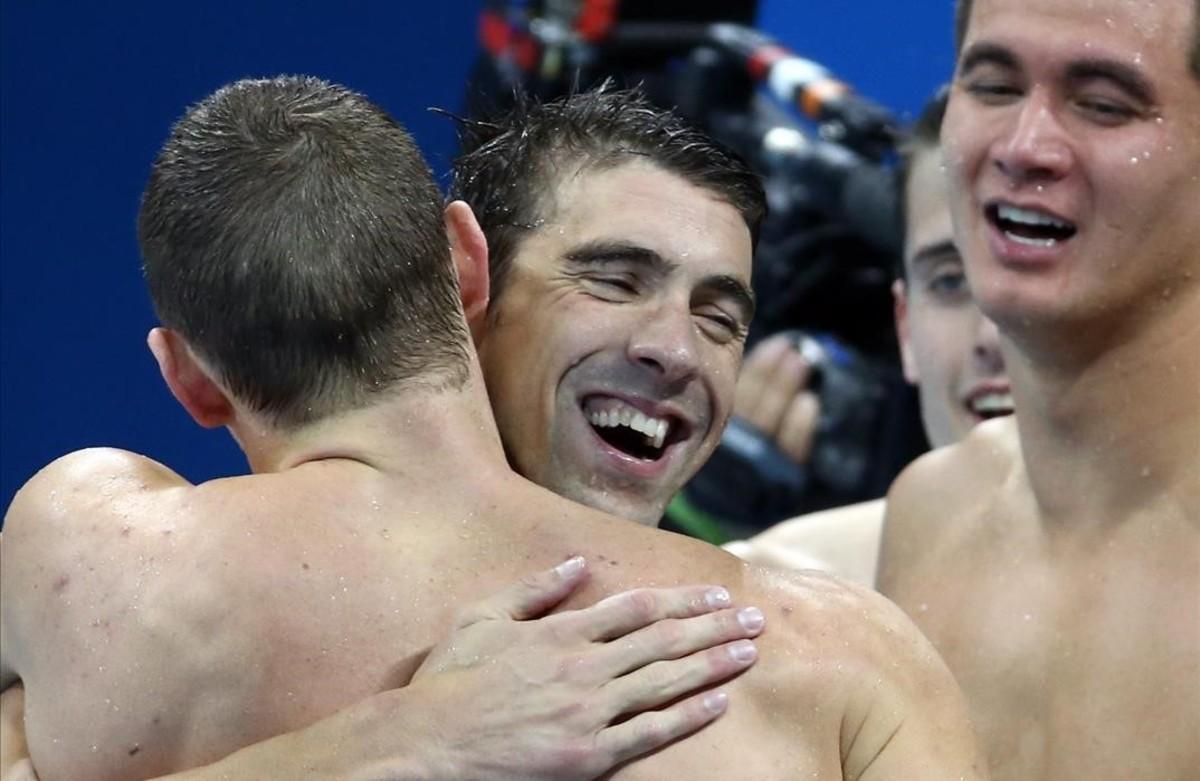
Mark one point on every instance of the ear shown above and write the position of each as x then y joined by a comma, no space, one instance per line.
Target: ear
900,312
468,248
190,384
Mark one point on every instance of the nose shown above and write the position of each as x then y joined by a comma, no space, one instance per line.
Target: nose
987,347
665,342
1035,148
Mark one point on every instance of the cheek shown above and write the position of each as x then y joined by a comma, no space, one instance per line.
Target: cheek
936,347
962,152
722,369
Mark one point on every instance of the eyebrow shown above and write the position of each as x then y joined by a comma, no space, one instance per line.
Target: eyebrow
932,253
1123,76
601,252
985,53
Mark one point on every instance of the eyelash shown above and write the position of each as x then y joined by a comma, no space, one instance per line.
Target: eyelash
1105,110
723,321
985,90
937,285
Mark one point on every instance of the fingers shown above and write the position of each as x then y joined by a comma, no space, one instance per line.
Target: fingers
799,427
772,377
530,597
655,729
675,639
628,611
662,682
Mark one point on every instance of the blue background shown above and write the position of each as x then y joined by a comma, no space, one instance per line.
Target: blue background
88,93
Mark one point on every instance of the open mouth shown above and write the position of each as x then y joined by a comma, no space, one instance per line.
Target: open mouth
991,405
630,430
1029,227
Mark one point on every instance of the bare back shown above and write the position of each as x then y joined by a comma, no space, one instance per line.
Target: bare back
158,625
1078,646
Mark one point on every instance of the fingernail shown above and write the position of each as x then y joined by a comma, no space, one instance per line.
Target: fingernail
570,568
743,651
715,702
751,619
717,598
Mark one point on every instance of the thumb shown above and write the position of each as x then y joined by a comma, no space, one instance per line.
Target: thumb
531,596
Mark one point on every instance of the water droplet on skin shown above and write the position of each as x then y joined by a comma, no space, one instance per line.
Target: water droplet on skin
1028,616
1133,161
1146,471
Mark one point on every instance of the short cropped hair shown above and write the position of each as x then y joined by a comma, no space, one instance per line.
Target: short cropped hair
962,17
509,167
922,137
292,233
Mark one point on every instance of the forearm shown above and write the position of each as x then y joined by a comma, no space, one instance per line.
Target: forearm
378,738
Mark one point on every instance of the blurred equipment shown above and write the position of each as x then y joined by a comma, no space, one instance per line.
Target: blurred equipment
826,252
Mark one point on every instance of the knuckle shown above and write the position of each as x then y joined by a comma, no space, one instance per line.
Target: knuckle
642,604
650,732
666,636
531,582
567,668
575,756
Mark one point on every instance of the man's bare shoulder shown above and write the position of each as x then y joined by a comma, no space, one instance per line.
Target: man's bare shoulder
847,649
115,593
842,540
933,499
87,492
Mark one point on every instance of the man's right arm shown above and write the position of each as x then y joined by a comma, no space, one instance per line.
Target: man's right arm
471,713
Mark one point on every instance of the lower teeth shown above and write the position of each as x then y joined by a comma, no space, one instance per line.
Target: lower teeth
1029,241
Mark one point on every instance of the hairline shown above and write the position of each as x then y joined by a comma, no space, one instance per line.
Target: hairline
962,20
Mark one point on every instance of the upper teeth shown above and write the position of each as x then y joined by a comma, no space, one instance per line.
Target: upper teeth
1026,217
993,402
620,414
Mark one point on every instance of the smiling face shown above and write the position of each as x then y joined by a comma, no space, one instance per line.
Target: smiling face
1073,142
611,353
949,349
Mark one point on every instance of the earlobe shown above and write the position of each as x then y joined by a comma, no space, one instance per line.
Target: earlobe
468,248
188,381
900,312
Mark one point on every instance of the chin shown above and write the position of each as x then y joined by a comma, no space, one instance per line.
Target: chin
630,508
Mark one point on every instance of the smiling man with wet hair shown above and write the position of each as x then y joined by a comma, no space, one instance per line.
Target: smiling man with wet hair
1058,571
620,241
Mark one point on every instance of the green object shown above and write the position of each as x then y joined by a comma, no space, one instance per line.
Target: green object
695,521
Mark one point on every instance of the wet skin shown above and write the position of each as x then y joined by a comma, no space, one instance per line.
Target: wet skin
632,295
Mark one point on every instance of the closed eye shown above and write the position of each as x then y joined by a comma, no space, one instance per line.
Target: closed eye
719,326
1106,111
992,91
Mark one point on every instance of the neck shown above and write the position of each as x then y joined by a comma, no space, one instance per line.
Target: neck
420,433
1108,432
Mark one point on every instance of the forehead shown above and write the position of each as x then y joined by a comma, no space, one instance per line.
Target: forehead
1151,34
639,203
927,203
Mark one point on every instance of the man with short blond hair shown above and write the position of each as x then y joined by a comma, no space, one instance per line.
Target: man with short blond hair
237,609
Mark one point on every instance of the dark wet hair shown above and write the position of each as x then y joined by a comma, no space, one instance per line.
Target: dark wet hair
293,234
510,165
